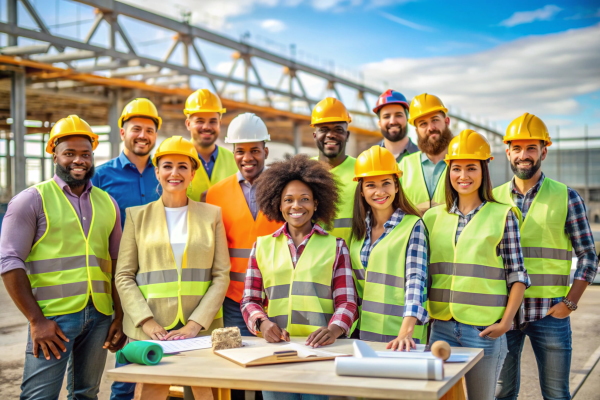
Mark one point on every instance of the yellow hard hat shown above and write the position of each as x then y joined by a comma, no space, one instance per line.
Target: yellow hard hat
140,107
203,100
329,110
376,161
468,145
423,105
176,145
70,126
527,127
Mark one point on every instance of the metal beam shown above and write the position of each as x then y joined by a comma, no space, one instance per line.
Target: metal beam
18,114
25,50
38,20
11,11
113,119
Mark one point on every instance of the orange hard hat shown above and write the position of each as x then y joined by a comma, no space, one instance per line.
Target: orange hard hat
376,161
527,127
469,145
329,110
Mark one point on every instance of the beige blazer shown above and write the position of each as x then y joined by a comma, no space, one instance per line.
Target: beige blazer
145,247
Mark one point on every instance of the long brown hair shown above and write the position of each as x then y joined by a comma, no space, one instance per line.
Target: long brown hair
485,190
361,207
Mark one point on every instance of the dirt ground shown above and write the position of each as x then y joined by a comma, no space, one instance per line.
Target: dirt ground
586,339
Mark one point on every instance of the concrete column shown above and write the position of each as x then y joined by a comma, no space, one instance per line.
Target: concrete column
297,138
18,113
114,112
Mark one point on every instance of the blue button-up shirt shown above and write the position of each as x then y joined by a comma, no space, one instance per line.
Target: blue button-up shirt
210,164
122,180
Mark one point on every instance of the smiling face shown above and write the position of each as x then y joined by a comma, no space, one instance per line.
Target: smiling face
74,160
466,176
331,138
526,157
174,173
139,135
204,128
392,122
250,159
433,133
297,204
380,191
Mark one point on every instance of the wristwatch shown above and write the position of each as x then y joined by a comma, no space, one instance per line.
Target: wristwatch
570,305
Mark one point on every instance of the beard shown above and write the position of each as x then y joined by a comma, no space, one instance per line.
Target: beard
435,147
132,148
65,174
526,174
331,153
395,137
205,143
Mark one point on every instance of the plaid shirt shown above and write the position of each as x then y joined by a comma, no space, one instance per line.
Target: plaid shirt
578,229
415,267
255,301
509,247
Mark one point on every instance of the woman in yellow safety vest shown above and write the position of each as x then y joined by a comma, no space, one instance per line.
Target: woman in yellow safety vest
476,264
299,279
173,266
389,254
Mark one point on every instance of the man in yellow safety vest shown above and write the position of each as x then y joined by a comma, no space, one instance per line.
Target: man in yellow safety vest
425,171
330,118
67,231
203,111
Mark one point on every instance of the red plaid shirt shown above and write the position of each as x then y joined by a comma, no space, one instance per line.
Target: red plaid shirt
255,300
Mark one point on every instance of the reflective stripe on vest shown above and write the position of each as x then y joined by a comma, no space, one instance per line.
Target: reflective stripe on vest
300,298
414,186
468,279
241,229
381,284
344,175
225,166
66,267
547,249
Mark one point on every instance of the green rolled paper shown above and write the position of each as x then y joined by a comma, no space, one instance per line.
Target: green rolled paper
140,352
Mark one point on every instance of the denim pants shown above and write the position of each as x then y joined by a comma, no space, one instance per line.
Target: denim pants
292,396
551,342
84,360
481,379
232,316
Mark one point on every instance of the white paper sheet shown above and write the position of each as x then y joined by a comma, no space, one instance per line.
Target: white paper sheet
379,367
177,346
414,354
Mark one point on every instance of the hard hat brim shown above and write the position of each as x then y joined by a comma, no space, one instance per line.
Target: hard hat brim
412,119
377,173
507,139
50,145
172,152
330,119
189,112
448,158
402,103
124,118
234,141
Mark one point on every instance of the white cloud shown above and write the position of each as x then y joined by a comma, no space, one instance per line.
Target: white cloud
537,74
545,13
273,25
407,23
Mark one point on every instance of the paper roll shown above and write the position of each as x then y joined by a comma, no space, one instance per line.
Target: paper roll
402,368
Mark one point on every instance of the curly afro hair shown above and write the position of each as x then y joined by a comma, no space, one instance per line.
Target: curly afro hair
270,185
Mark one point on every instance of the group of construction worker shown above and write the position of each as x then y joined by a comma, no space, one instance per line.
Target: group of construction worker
406,244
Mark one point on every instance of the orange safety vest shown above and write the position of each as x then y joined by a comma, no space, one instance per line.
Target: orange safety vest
242,230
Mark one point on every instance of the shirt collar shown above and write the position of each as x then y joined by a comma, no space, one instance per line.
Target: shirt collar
455,210
125,161
315,229
394,220
63,185
410,147
534,189
240,177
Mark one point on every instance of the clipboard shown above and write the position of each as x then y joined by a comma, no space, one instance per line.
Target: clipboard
269,354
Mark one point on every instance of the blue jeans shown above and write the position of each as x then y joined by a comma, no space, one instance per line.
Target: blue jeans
551,342
481,379
84,360
121,390
232,316
292,396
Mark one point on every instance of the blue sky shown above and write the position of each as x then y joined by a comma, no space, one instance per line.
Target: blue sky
491,60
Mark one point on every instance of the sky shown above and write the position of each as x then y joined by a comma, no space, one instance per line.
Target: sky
491,61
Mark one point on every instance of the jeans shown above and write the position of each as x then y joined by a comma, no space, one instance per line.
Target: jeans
292,396
551,342
84,360
121,390
481,379
232,316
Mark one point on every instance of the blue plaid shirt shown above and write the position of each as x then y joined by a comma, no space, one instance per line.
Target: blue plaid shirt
578,229
415,274
509,247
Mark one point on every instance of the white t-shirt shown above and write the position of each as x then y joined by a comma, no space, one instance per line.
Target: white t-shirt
177,225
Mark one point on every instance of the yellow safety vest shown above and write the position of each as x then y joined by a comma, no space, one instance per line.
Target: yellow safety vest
547,249
225,166
468,279
414,186
381,285
301,298
66,267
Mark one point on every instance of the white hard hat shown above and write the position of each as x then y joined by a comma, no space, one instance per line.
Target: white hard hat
247,128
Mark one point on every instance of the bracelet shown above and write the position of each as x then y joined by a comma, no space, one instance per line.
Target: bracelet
570,305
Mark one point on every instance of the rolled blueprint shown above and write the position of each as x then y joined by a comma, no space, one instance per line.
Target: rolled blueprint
403,368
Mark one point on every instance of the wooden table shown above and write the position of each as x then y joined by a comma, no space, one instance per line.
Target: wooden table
202,370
